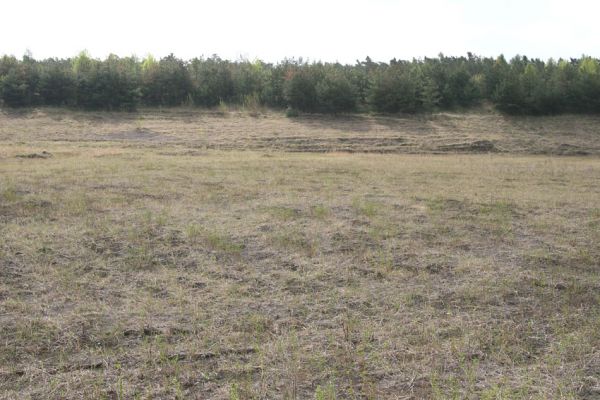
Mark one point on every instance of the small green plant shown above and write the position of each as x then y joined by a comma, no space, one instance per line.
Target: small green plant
284,213
139,124
297,240
149,225
78,203
366,207
252,104
436,205
212,239
140,256
257,324
383,260
177,388
470,373
320,211
291,112
222,243
9,193
234,392
193,232
222,108
326,392
120,384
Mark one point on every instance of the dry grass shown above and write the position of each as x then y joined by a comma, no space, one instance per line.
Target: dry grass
131,270
264,130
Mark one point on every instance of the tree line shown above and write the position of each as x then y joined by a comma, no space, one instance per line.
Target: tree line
518,86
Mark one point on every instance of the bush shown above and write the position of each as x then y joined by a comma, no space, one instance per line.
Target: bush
393,91
111,85
291,112
166,83
211,81
56,85
300,89
18,82
335,93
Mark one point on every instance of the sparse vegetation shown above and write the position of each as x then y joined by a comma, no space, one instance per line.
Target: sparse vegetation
216,265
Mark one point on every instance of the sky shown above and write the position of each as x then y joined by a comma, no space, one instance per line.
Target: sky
325,30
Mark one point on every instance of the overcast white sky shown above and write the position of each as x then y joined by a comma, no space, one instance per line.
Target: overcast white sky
327,30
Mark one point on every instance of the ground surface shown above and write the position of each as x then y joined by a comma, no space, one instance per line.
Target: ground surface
437,133
140,257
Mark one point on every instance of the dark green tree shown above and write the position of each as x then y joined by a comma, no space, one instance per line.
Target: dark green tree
212,81
335,92
300,88
166,83
392,90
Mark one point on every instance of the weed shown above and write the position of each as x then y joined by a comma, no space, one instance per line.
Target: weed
234,392
219,242
193,232
222,108
366,207
296,240
284,213
326,392
291,112
252,104
9,193
320,211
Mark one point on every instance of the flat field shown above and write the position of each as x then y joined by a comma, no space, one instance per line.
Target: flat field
198,255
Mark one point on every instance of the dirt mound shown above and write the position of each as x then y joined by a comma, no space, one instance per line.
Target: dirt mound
478,146
141,134
43,154
331,144
566,149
